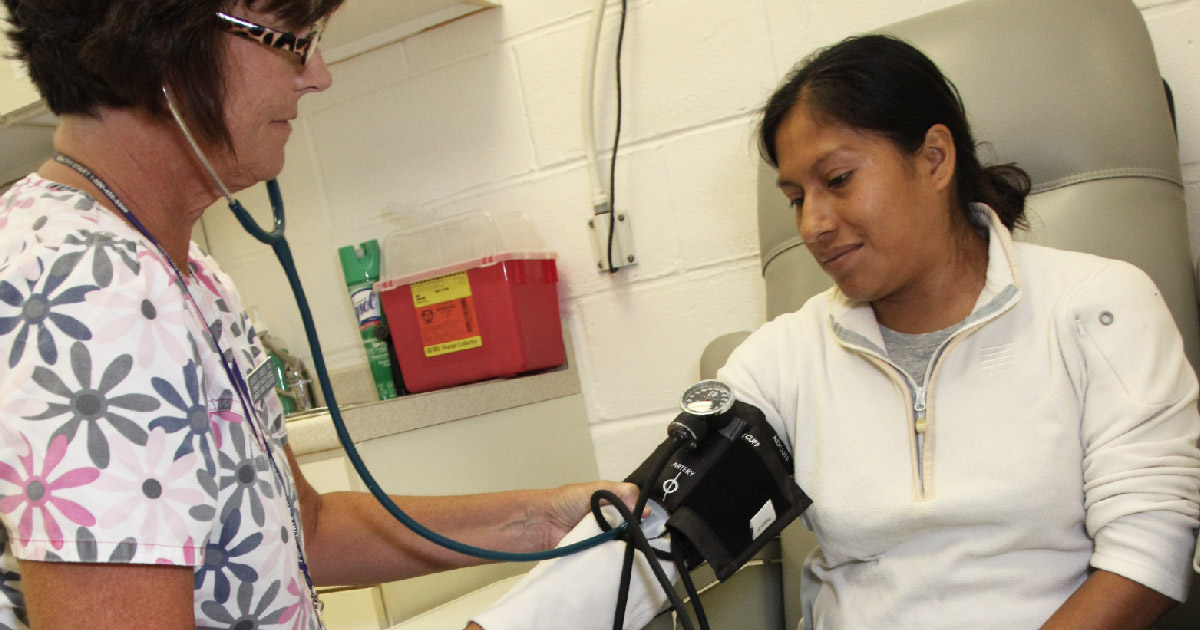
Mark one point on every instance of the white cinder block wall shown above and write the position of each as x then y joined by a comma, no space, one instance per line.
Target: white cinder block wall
483,114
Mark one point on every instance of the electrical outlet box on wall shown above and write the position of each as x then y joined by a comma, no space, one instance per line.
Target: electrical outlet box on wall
616,247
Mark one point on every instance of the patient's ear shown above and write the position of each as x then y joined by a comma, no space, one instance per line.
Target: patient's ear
937,156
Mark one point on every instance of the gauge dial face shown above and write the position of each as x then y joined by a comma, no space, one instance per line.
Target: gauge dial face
707,398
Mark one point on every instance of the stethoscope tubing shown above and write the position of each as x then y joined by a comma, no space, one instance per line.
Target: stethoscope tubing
279,245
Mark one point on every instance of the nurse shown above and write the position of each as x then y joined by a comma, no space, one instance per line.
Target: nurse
995,434
143,485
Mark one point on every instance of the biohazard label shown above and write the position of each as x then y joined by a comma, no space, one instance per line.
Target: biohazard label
446,314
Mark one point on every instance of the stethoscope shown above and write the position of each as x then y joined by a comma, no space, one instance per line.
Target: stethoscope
279,245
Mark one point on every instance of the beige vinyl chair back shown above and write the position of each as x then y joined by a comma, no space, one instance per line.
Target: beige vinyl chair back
1070,90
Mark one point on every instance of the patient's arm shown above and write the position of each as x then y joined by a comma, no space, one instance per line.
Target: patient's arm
582,587
1106,600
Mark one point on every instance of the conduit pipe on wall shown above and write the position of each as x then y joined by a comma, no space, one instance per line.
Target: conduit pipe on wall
599,196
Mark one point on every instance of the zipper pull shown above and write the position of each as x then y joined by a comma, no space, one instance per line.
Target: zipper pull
919,408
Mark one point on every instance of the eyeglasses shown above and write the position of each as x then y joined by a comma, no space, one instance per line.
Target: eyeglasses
302,47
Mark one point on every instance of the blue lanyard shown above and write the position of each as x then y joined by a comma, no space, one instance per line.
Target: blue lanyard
233,372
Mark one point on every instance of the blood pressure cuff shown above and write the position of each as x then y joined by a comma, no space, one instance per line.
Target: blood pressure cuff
729,496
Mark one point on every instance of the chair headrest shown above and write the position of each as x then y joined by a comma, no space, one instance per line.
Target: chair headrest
1090,64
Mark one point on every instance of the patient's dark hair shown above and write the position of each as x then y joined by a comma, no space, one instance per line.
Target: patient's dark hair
83,55
881,84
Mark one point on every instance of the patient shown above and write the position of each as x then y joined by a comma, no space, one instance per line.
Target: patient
995,434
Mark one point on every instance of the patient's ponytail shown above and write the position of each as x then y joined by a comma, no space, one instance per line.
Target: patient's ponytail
884,85
1003,187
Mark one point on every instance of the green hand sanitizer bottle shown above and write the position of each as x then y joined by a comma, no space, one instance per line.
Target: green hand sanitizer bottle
360,266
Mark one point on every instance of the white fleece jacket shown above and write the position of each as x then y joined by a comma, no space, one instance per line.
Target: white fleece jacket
1060,428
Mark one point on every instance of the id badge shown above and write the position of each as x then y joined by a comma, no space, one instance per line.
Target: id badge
261,383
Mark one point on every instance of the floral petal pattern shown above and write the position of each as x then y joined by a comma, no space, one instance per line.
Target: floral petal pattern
123,439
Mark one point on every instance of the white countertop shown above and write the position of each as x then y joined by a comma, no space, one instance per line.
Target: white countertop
315,433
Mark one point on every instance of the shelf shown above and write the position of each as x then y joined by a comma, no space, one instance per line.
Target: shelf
365,25
313,432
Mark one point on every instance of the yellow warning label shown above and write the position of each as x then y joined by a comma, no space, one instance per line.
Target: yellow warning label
441,289
446,315
453,346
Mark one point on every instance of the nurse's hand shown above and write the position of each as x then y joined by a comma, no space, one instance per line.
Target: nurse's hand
567,505
582,587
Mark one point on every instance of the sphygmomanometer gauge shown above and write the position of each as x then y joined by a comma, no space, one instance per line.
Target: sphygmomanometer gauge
707,398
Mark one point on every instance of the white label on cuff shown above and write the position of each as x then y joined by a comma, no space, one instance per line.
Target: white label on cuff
763,519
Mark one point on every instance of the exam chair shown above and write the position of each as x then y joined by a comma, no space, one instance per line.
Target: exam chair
1070,90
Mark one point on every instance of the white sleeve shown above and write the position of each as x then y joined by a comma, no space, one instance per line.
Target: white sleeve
582,588
1141,468
759,374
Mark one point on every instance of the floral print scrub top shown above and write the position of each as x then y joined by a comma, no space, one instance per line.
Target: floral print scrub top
121,437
